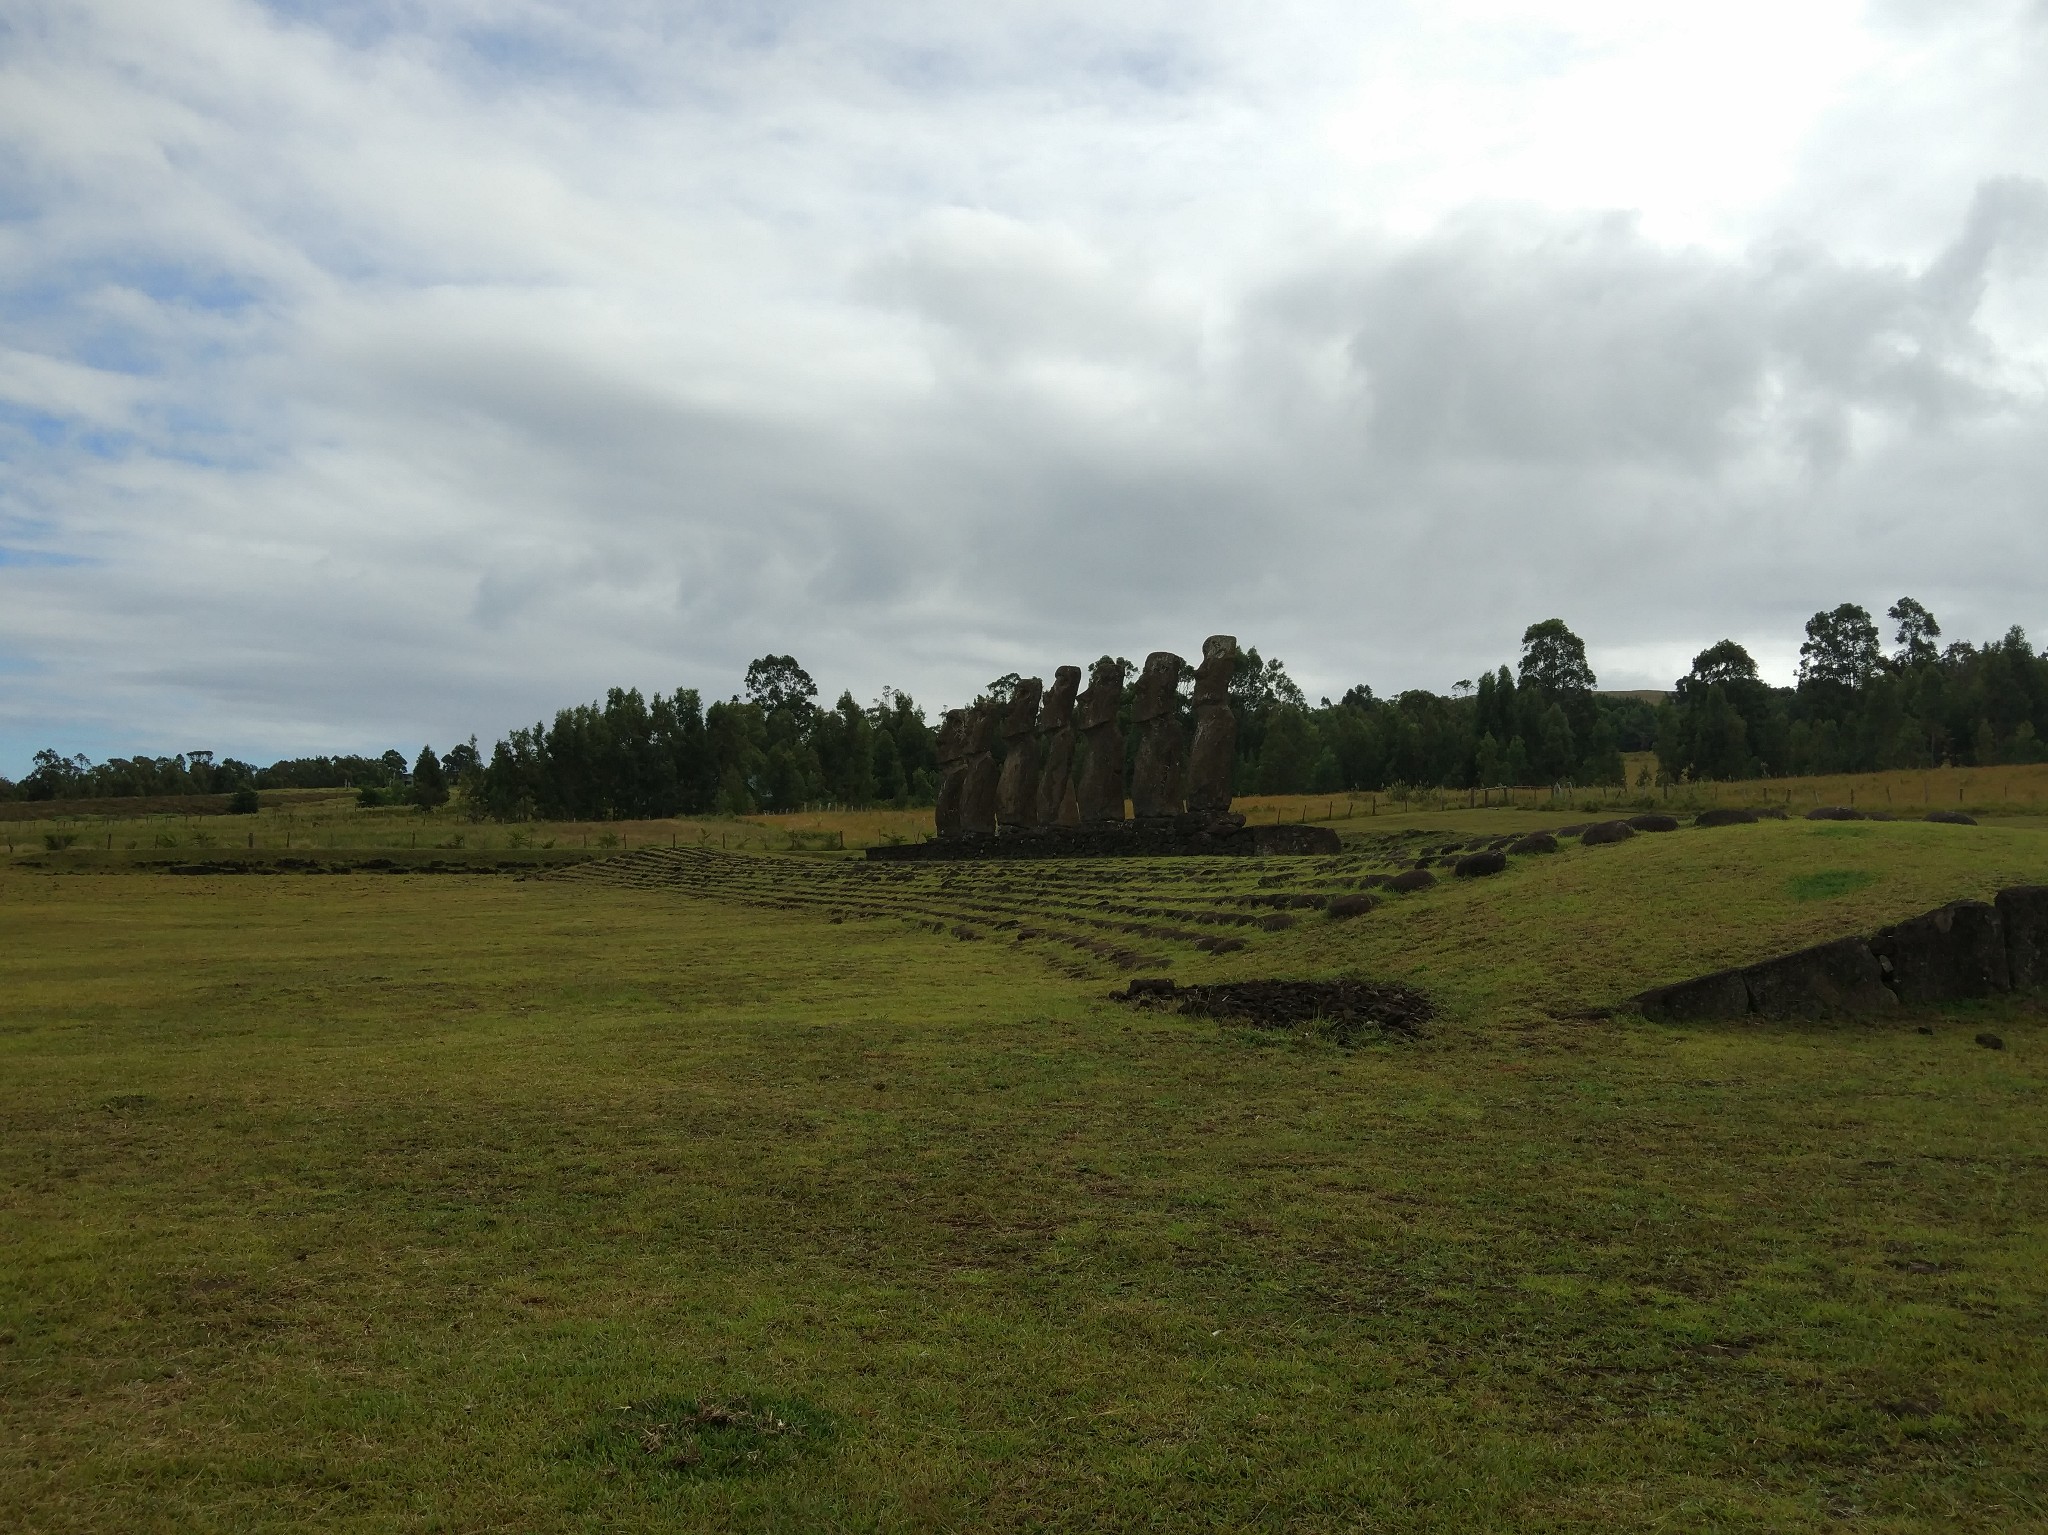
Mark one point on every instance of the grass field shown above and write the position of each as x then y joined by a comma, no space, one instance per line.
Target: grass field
700,1190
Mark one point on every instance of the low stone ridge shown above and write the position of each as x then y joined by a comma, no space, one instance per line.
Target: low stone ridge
1731,815
1653,823
1478,865
1411,881
1833,813
1535,842
1606,832
1174,837
1347,1008
1951,818
1962,950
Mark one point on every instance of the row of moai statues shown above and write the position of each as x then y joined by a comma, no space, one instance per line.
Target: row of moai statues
1036,785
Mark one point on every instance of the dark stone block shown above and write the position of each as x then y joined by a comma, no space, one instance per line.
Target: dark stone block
1535,842
1478,865
2023,915
1729,816
1951,818
1606,832
1653,823
952,753
1952,952
1344,906
1056,740
1833,813
1413,880
1990,1041
1839,977
978,789
1709,998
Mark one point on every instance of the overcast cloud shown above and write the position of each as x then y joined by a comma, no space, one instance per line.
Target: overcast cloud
379,373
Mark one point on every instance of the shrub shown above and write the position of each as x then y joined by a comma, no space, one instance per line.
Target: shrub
244,802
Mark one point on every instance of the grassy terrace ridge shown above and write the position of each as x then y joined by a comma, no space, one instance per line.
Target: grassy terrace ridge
705,1190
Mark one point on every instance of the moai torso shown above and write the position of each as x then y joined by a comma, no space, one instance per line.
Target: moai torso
978,789
1213,758
1101,796
1156,778
952,750
1017,789
1056,799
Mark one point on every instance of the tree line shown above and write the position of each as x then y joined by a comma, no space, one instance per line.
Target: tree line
1855,707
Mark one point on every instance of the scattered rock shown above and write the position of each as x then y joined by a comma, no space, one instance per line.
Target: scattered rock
1576,829
1535,842
1477,865
1604,832
1344,906
1952,952
1833,813
1146,986
1990,1041
1730,815
1724,994
2023,916
1413,880
1653,822
1951,818
1839,977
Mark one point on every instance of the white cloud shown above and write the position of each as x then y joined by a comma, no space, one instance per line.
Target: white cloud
418,371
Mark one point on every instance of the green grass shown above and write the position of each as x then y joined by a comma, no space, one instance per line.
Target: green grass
450,1203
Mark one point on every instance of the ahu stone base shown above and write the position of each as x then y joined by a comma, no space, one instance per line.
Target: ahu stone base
1180,837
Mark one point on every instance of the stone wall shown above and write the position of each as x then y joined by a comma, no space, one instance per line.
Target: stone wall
1961,950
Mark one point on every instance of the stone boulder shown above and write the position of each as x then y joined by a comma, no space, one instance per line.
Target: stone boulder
1833,813
1950,953
1730,815
1535,842
1605,832
1653,823
1345,906
1478,865
1411,881
1839,977
1951,818
1706,999
2023,916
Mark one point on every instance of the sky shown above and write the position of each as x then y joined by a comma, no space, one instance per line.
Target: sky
381,373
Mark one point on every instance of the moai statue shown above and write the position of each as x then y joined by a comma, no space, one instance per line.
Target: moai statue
1056,803
1017,790
1102,780
952,772
978,789
1214,755
1162,751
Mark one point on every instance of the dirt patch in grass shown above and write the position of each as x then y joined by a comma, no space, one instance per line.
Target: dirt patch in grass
1345,1010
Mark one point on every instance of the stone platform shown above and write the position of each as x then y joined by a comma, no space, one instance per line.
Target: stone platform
1180,837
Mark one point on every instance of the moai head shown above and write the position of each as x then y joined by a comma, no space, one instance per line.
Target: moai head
1105,693
1021,717
1212,677
1057,713
981,729
952,745
1157,686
